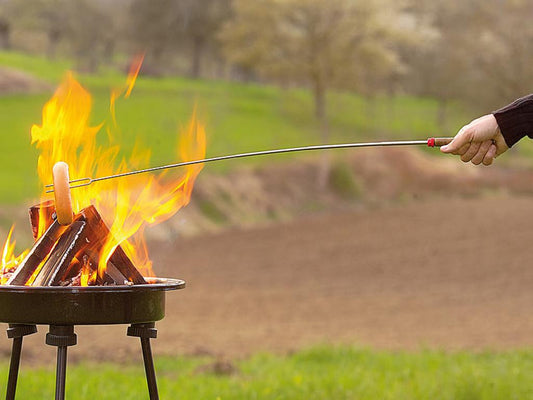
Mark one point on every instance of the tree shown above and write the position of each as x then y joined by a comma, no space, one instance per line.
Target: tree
338,44
162,27
51,17
481,54
443,69
503,55
90,33
151,27
200,21
5,25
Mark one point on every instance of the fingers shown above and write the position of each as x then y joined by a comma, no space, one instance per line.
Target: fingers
482,152
462,139
491,154
462,150
478,152
471,152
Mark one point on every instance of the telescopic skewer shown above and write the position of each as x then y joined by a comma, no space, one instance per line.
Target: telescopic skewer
431,142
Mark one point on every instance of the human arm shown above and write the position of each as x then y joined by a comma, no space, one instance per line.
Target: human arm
487,137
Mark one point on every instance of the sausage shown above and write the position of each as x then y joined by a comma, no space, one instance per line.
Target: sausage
62,193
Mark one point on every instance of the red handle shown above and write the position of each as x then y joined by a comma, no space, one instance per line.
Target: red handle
437,142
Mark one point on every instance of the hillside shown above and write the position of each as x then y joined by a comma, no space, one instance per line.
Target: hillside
239,117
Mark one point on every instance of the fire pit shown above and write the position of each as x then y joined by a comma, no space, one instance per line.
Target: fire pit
78,273
89,264
57,283
24,307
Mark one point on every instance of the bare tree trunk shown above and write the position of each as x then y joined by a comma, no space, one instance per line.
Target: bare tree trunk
54,37
198,45
109,51
5,32
442,116
322,118
221,71
371,114
391,109
391,102
154,63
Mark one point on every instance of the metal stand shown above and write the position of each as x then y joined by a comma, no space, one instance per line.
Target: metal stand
61,336
146,332
16,332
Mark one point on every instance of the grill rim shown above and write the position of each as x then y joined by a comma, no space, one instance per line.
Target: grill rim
92,305
164,284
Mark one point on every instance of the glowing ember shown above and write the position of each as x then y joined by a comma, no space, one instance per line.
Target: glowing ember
127,205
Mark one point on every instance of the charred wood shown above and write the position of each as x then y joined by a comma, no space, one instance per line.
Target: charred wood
69,245
64,254
40,211
37,254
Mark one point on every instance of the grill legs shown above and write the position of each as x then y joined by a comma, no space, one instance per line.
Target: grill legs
63,336
16,332
146,332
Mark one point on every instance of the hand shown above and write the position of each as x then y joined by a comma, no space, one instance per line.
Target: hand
480,141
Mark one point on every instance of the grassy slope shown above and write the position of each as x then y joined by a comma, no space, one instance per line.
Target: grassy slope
320,373
239,118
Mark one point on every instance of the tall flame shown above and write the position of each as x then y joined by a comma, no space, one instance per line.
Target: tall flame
154,201
128,204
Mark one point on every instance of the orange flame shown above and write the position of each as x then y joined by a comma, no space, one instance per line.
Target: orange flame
41,227
129,204
134,71
155,201
9,260
88,276
135,68
35,273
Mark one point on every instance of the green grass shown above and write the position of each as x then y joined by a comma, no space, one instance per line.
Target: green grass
320,373
239,117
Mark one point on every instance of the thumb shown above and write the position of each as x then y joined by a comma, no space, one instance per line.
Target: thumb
463,137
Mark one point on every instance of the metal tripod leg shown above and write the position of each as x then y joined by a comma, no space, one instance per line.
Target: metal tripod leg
16,332
61,336
146,332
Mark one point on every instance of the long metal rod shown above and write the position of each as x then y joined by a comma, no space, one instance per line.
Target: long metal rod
88,180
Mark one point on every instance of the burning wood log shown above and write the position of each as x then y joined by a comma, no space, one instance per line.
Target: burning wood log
42,213
98,235
69,245
37,255
63,253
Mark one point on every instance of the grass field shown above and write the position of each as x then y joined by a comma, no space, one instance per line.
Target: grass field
239,117
320,373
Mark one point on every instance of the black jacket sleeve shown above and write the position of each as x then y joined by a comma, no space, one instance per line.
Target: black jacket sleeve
516,120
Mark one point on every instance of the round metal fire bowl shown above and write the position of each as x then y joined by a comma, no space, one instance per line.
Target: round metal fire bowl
92,305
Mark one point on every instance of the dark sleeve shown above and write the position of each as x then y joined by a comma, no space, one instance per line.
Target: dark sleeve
516,120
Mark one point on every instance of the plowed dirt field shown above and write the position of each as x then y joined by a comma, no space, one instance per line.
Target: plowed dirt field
446,274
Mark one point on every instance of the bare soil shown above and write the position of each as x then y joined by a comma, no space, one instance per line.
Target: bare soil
451,274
